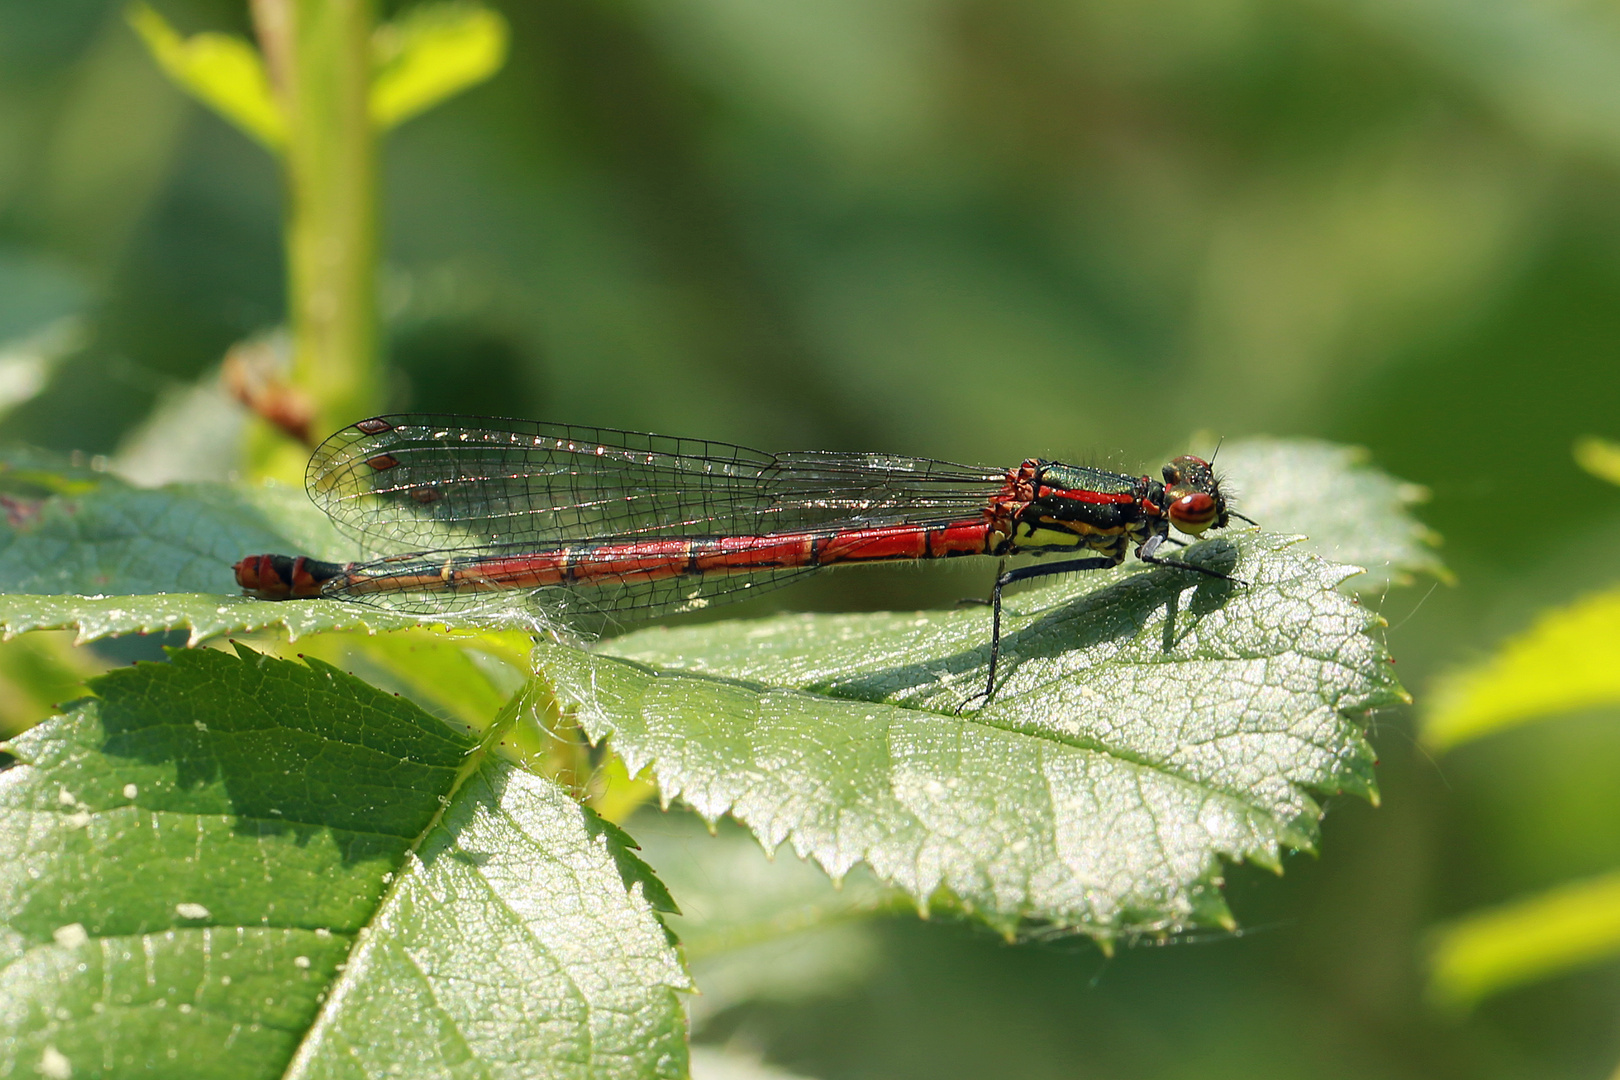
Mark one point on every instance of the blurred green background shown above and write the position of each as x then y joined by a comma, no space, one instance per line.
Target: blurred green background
981,231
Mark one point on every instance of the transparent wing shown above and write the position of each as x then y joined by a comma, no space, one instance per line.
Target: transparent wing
421,482
449,490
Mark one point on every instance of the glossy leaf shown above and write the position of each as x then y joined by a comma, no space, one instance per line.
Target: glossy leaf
1570,659
1350,511
246,867
1147,725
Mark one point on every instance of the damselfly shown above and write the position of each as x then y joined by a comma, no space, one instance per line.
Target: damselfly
591,527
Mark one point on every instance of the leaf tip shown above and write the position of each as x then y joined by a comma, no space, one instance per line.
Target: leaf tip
1267,858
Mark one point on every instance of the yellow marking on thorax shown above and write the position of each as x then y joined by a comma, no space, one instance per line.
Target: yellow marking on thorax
1051,533
1026,536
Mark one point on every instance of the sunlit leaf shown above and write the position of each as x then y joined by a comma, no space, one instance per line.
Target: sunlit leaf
80,530
431,52
1570,659
223,72
202,615
248,867
467,675
37,673
1600,457
1148,723
1350,511
1557,931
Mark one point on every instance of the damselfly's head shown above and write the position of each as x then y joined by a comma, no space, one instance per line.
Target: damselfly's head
1193,496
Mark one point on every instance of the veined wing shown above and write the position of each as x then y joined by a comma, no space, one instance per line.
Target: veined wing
424,482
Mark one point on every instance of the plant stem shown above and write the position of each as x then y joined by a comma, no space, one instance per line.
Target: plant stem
319,56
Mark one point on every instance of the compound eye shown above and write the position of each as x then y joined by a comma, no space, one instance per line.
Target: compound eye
1194,513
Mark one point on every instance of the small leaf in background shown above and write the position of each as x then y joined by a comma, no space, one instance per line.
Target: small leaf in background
194,433
1350,511
732,894
38,672
731,1063
1570,659
223,72
755,928
28,363
1600,457
1146,726
431,52
243,866
42,323
465,675
1488,951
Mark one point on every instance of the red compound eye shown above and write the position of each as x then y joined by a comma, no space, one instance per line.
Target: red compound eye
1193,513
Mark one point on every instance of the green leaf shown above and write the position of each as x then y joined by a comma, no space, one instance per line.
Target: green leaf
249,867
731,1063
465,675
1557,931
28,364
109,538
205,615
1148,724
223,72
82,550
1350,512
1570,659
732,896
1600,457
36,673
433,51
756,928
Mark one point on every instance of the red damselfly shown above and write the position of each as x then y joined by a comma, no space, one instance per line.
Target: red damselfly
590,527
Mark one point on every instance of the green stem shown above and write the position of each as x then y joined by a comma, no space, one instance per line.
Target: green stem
319,56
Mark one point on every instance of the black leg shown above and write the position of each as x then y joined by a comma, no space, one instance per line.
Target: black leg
1023,573
1146,554
1179,565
